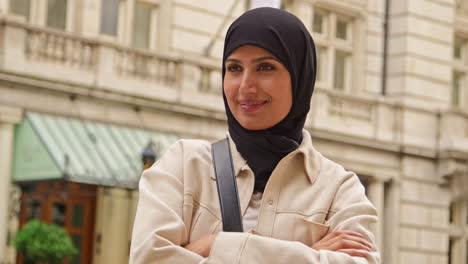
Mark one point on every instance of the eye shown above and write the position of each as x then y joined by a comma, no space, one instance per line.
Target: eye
266,67
233,68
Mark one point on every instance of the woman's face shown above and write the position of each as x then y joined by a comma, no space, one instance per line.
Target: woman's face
257,88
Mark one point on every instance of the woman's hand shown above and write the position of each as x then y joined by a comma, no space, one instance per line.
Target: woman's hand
349,242
202,246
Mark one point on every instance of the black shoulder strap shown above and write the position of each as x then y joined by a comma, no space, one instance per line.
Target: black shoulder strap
227,186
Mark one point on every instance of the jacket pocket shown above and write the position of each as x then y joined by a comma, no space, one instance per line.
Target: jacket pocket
203,223
309,232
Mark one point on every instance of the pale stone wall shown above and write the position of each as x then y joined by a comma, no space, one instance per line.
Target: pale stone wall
420,49
409,145
9,116
201,25
115,210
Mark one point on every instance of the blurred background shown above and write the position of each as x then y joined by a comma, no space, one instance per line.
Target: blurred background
93,91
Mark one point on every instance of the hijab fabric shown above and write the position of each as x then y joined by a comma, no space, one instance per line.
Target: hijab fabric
286,37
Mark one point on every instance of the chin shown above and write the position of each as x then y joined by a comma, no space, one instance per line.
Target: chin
254,126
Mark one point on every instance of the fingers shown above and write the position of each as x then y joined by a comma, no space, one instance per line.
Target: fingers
335,234
202,246
348,242
354,252
345,232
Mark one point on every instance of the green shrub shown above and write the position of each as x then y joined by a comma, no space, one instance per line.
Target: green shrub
38,241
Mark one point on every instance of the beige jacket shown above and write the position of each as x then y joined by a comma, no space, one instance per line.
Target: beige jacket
307,196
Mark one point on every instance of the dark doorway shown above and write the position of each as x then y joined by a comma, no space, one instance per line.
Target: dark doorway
68,205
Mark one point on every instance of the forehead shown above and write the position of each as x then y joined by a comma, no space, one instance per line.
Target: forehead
249,51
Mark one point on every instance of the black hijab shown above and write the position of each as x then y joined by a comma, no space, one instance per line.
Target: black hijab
286,37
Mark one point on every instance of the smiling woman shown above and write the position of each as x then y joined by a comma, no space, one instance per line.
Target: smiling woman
296,206
257,88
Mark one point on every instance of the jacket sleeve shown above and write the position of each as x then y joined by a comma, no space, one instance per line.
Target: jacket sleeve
162,222
350,210
159,229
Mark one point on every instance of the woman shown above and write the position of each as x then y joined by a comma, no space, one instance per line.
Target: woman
297,206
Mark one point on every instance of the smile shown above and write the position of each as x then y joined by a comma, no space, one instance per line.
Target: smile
251,105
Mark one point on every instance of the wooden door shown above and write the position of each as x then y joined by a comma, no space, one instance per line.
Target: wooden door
68,205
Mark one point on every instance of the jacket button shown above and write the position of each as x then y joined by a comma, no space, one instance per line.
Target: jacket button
270,202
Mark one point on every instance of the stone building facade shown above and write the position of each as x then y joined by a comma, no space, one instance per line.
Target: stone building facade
390,103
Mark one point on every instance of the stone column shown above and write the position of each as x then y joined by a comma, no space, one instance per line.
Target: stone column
113,219
8,118
165,13
376,195
128,22
39,12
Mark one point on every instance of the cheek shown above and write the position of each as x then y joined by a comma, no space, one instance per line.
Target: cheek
283,95
230,90
281,90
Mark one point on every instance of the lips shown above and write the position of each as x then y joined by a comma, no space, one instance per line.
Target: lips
251,105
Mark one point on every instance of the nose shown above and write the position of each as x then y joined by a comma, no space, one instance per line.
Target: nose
248,83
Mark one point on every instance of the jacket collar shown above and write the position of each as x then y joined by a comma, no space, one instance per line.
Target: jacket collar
239,162
310,156
305,150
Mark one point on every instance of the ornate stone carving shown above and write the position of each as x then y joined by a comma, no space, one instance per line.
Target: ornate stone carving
60,48
146,66
14,205
348,108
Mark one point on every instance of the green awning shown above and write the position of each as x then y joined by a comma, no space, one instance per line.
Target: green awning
50,147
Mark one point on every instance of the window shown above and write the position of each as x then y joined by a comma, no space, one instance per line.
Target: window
458,240
458,48
460,71
57,14
318,23
21,7
333,34
109,17
58,214
341,29
452,212
131,22
321,63
33,209
50,13
340,70
365,183
143,16
450,246
379,193
457,80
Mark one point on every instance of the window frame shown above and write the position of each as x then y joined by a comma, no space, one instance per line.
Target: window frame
379,191
120,20
154,22
126,20
68,16
458,232
459,68
38,14
10,12
331,44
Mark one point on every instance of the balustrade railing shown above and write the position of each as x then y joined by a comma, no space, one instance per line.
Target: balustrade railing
210,80
146,66
52,48
55,47
115,66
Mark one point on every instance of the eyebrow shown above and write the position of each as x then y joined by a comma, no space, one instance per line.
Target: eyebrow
254,60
